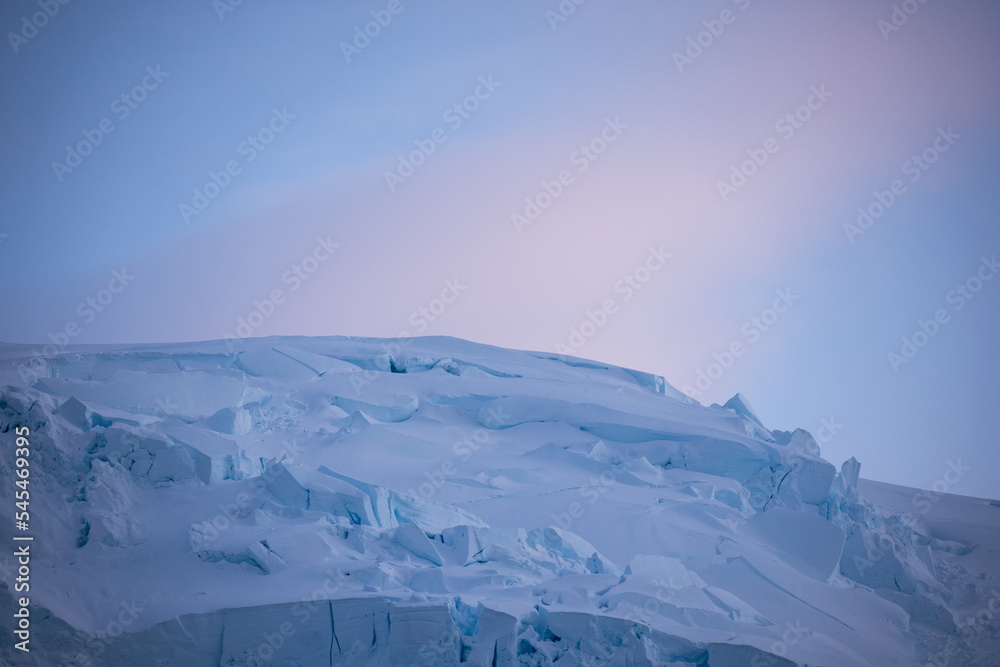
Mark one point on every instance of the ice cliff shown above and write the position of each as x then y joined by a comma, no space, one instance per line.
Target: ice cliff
344,501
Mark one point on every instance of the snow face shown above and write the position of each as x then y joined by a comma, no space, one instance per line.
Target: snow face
340,501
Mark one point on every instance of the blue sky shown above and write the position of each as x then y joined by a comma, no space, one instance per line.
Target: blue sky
661,138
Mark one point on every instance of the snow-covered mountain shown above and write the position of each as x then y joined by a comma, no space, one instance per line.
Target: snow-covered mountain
344,501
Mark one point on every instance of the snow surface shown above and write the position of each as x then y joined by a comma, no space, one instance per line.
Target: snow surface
344,501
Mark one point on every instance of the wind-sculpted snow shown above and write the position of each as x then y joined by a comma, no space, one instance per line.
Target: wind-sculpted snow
345,501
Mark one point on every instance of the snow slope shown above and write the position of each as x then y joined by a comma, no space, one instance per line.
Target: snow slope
344,501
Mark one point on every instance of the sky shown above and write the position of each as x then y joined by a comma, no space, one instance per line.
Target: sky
795,201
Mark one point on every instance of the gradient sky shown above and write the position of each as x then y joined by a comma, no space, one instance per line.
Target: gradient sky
679,134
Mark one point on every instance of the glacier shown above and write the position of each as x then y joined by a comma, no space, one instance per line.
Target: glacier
302,501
